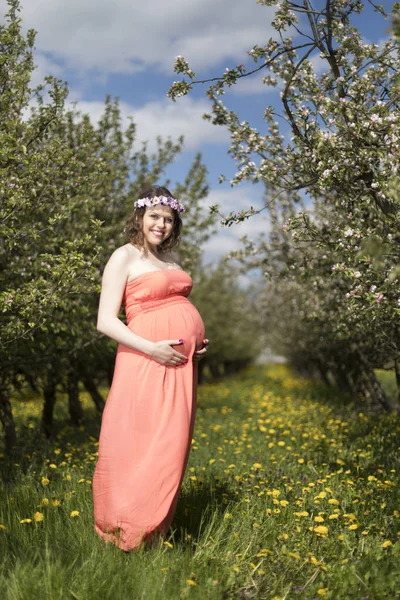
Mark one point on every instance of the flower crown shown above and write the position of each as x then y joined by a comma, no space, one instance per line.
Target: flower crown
164,200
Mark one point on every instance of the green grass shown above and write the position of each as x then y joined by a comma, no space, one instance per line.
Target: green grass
290,494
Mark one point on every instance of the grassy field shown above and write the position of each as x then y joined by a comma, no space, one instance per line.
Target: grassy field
289,494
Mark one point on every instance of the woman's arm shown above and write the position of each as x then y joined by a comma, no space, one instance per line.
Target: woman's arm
112,289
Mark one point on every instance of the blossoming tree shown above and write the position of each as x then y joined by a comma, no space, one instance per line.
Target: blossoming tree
333,143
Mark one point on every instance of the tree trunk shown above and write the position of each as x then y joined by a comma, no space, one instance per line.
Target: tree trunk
341,378
6,418
397,371
214,370
49,394
378,396
201,366
74,404
91,388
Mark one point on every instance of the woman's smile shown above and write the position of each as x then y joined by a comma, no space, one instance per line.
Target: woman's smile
158,223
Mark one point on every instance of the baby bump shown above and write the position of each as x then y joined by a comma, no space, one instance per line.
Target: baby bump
171,320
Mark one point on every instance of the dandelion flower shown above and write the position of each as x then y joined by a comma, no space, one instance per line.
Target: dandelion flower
74,513
321,530
26,521
45,481
191,582
386,544
38,516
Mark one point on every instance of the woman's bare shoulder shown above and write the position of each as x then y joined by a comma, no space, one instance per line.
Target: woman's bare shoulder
126,253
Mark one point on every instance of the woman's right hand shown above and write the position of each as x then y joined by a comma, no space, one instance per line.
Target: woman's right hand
165,354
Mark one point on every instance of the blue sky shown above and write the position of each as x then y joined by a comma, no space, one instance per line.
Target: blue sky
126,48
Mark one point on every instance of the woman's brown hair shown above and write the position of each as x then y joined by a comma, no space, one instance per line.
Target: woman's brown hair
134,224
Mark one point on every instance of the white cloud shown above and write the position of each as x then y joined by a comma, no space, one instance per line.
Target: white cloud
227,239
125,36
252,85
166,119
44,66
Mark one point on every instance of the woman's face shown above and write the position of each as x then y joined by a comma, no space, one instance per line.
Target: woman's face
158,223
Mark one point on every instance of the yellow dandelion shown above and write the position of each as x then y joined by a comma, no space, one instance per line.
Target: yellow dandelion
38,516
257,465
227,516
191,582
300,461
283,502
165,569
353,526
26,521
340,538
74,513
3,527
276,493
168,544
45,502
45,481
321,530
386,544
319,519
333,516
302,513
56,502
52,466
333,501
294,555
67,478
322,591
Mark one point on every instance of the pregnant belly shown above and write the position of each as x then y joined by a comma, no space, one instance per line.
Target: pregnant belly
171,320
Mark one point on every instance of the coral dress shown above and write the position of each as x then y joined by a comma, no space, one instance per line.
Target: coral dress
148,419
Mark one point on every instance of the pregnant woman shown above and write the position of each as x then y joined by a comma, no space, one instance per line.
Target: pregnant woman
148,419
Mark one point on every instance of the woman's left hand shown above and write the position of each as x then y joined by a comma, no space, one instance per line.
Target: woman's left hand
201,353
